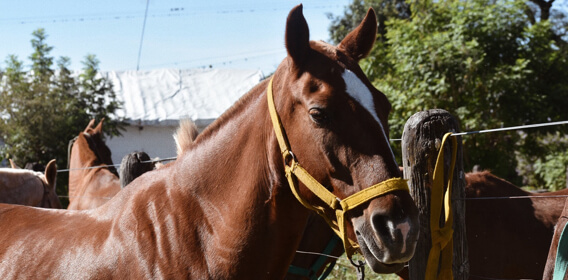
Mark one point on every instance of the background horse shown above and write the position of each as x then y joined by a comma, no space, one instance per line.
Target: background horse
181,221
507,238
91,187
132,166
26,187
135,164
92,176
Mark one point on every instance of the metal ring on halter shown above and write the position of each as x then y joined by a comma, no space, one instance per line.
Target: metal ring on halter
289,157
360,266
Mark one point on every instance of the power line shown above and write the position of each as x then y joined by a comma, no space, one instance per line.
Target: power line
142,37
134,15
227,59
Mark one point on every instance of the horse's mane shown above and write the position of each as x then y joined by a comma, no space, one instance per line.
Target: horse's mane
185,135
238,107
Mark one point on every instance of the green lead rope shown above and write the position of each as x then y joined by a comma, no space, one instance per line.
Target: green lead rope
311,273
561,256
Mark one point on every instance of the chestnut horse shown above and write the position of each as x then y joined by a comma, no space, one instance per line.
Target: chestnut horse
225,209
507,238
26,187
91,187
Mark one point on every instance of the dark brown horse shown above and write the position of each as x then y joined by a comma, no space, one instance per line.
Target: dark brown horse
93,179
507,238
224,209
132,166
26,187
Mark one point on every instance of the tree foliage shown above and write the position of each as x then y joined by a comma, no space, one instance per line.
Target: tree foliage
491,64
44,105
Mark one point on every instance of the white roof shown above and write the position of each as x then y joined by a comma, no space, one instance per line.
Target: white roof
164,96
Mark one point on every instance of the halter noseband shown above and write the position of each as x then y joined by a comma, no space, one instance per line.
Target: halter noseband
294,171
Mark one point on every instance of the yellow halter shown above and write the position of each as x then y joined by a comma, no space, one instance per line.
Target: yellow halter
340,207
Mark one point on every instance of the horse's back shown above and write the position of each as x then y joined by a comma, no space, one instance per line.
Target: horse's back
38,243
20,186
136,235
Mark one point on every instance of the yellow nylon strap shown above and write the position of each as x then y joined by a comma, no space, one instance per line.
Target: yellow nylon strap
276,123
442,237
294,171
340,206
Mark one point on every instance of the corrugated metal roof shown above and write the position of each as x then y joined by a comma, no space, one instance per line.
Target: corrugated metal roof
164,96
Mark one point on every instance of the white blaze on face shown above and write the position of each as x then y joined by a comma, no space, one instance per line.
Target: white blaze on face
361,93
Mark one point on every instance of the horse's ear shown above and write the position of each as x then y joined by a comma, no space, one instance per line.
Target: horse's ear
51,173
90,125
359,42
99,127
13,164
297,36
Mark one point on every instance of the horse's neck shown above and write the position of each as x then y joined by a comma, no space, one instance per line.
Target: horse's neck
549,209
252,218
81,176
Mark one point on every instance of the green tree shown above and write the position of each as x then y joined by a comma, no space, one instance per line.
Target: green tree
356,11
489,63
43,107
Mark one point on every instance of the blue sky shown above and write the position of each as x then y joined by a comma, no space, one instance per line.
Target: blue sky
178,34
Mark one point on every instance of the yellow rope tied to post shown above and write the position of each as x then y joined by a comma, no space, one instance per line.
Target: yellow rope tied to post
295,172
442,237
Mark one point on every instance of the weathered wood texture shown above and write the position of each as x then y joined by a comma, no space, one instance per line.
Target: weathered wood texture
421,140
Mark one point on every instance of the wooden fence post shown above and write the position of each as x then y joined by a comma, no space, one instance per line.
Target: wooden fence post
421,141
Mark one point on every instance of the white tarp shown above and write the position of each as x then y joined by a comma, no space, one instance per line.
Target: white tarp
164,96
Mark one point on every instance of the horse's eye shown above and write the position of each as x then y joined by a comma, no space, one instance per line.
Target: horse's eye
319,116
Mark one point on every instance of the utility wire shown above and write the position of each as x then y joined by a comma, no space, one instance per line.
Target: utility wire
122,16
142,37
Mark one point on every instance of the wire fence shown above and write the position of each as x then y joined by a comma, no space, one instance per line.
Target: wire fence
520,127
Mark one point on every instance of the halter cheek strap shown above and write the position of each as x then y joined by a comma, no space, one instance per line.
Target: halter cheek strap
339,207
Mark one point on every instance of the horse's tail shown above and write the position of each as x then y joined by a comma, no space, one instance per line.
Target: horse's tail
185,135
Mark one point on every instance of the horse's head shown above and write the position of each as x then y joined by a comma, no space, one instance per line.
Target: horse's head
50,198
336,124
132,166
90,145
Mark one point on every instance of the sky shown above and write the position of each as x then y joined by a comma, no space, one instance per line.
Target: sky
243,34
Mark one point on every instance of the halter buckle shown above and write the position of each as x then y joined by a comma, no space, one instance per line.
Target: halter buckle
289,157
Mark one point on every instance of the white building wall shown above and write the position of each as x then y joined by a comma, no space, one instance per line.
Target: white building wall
156,141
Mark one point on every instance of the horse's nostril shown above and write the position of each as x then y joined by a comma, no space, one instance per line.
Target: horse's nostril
382,226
